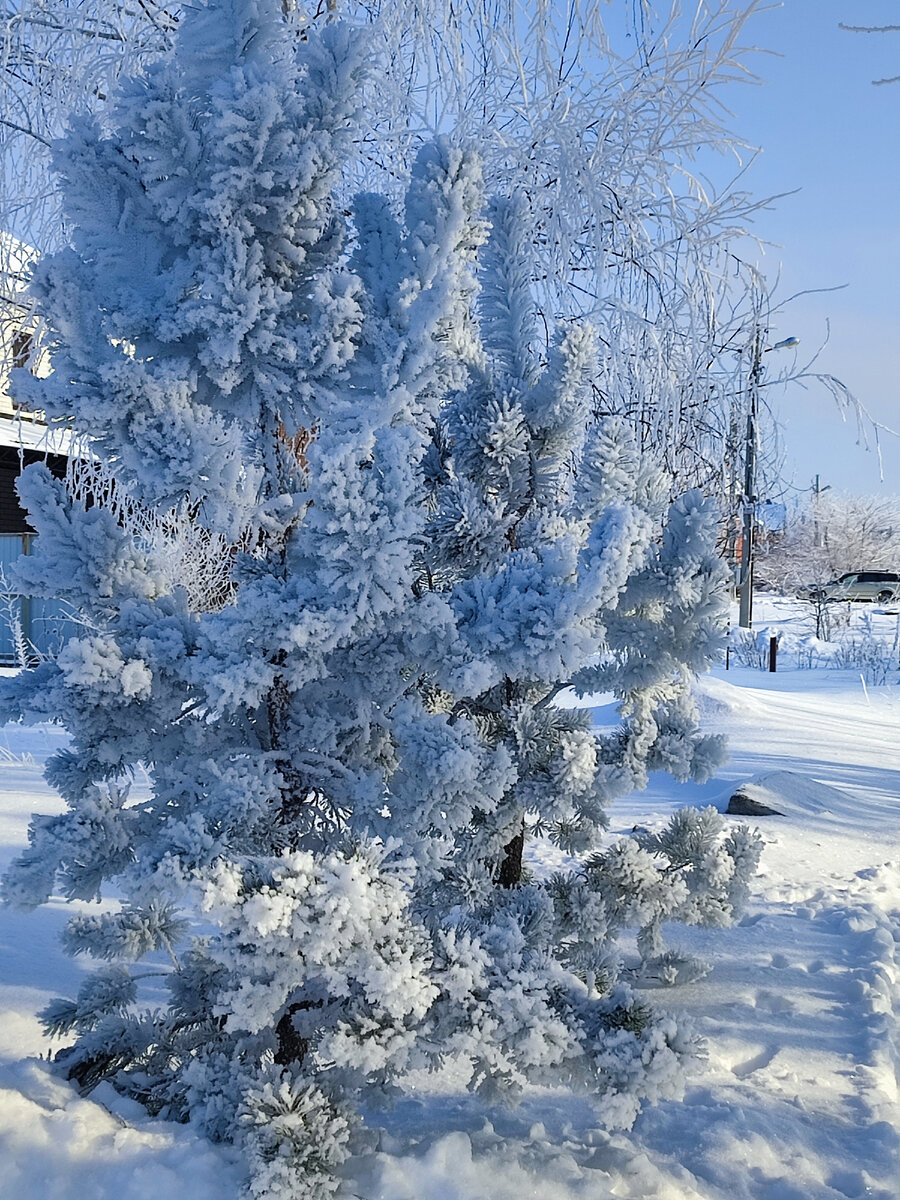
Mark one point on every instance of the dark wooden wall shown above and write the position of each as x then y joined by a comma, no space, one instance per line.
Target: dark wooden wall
12,516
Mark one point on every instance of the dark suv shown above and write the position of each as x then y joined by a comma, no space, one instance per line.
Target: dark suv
883,586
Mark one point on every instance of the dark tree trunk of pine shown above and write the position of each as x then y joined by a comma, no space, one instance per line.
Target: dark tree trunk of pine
511,867
292,1047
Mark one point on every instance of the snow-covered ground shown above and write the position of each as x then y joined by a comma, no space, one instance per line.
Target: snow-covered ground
798,1099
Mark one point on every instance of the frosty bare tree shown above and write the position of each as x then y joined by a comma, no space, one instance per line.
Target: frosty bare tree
59,57
432,539
600,142
832,533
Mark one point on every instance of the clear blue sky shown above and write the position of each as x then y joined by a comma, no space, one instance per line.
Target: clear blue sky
823,128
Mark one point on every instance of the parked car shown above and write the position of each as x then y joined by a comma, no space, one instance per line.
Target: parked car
883,586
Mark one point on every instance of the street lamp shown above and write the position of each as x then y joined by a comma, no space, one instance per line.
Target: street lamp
745,587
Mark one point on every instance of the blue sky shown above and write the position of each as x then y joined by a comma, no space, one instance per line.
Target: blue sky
825,131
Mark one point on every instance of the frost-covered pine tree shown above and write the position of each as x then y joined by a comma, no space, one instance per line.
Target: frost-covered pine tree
348,741
551,538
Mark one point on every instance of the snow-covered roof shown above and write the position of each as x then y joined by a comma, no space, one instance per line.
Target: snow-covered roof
23,433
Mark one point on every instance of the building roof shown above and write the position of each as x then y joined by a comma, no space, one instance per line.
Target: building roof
21,432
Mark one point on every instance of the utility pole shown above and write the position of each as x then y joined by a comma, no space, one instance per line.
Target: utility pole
817,491
748,528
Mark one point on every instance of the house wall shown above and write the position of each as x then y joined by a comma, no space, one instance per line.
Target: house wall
13,518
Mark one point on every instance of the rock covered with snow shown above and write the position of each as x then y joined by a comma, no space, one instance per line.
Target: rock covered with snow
787,794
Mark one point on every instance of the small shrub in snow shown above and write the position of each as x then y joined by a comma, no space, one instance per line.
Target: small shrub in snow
874,658
811,652
750,647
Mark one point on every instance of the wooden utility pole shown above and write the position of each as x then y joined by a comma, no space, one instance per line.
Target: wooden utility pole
748,528
817,491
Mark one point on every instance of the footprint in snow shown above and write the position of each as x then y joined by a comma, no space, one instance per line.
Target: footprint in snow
773,1003
757,1063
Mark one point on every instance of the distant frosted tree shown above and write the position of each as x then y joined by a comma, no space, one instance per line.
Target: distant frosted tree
351,734
830,534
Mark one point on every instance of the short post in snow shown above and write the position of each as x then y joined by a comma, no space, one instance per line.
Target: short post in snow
773,653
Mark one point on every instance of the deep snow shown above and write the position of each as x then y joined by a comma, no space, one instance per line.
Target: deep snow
798,1098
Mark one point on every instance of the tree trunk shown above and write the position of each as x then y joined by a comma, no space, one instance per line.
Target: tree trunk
292,1047
511,867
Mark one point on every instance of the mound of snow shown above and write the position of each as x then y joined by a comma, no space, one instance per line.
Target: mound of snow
788,794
